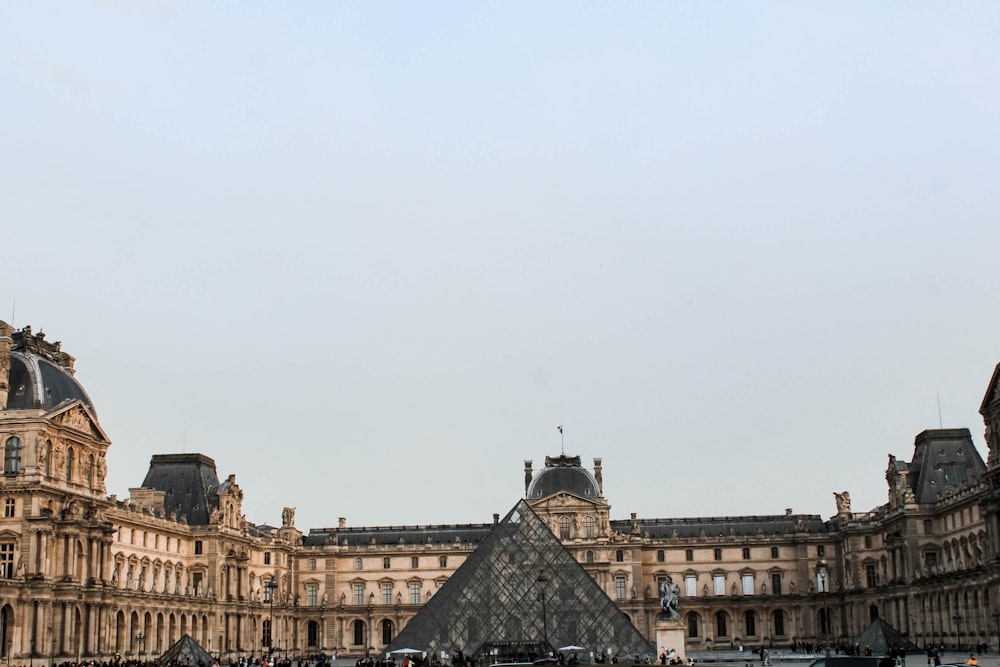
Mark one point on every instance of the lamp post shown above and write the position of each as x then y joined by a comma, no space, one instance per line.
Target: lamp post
996,620
139,639
824,587
271,586
543,579
958,629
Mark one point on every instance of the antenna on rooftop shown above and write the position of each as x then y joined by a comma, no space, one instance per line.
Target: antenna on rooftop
940,421
13,307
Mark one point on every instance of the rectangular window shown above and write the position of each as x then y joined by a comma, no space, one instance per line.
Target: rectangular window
776,583
689,554
871,578
690,586
385,563
7,560
8,507
359,593
620,588
821,551
312,595
312,563
197,547
868,541
267,591
414,593
747,580
415,562
357,563
775,553
661,556
719,584
386,593
746,553
717,554
267,558
928,527
930,559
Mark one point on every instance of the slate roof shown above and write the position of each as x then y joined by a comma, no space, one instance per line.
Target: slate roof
38,383
943,459
189,482
470,533
727,526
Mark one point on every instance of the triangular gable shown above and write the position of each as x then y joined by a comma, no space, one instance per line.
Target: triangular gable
562,498
492,606
77,416
992,391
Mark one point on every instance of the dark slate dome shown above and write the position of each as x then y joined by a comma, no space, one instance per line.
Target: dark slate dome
563,473
41,375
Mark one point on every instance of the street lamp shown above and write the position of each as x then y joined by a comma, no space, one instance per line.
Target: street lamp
958,629
139,639
824,588
543,579
996,620
271,587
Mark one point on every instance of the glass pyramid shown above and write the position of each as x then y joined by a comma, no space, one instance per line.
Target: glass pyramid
519,596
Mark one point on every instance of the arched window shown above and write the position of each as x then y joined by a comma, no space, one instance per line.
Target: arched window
565,531
359,632
692,624
589,527
721,626
750,623
386,631
69,464
779,623
312,633
12,456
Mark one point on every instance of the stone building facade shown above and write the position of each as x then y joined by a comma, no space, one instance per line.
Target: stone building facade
85,574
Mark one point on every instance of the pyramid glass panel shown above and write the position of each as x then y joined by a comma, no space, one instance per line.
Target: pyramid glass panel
519,596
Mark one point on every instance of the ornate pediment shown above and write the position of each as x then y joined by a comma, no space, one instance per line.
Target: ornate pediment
563,500
76,416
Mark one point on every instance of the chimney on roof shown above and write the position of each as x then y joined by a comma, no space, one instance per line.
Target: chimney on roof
342,522
527,476
496,518
788,511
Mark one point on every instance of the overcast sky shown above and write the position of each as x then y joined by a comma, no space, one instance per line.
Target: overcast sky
368,255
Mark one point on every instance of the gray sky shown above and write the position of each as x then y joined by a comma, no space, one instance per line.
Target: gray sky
369,255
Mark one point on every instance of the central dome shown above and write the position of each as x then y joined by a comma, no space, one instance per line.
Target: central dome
40,374
563,473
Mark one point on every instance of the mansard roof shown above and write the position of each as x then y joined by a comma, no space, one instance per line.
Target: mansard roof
189,482
469,533
943,459
726,526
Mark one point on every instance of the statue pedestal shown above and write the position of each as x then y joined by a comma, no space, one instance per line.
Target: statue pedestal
670,636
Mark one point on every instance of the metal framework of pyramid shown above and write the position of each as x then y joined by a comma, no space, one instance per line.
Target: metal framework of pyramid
880,637
492,608
186,651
